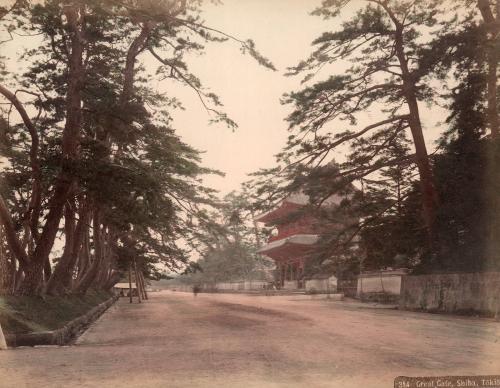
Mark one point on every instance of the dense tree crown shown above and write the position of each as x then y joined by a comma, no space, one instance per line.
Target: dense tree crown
96,152
92,163
364,87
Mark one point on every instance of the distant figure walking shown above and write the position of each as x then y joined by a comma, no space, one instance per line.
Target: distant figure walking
196,289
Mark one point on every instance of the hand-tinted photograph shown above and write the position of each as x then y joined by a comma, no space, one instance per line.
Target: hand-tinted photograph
249,193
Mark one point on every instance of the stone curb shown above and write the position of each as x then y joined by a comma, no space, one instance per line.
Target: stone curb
63,335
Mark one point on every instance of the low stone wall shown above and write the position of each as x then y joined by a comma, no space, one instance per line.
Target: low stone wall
381,286
467,293
63,335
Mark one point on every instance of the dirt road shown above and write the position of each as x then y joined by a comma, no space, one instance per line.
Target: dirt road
177,340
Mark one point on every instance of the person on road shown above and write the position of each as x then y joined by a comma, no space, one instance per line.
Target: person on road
196,289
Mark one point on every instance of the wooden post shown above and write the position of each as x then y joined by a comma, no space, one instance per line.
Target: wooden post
137,283
130,281
3,344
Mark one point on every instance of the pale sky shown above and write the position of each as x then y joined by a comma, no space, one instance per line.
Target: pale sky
283,31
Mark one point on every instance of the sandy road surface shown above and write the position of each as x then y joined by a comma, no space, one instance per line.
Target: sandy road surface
176,340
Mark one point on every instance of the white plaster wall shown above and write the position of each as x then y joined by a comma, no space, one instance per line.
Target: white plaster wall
329,284
291,284
255,285
248,285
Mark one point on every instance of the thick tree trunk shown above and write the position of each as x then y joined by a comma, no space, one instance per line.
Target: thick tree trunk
63,273
107,253
104,270
140,281
40,256
427,181
70,145
19,277
137,45
88,278
34,207
47,270
137,283
11,237
5,273
492,120
32,282
492,24
492,108
130,281
13,275
144,286
113,279
84,256
91,274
